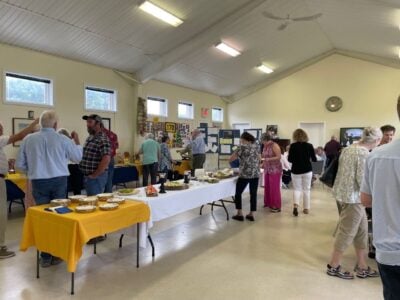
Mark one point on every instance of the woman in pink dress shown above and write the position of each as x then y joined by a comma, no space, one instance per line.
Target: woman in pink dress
272,174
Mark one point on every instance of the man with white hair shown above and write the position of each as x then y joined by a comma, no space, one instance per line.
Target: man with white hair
151,155
4,141
198,150
44,155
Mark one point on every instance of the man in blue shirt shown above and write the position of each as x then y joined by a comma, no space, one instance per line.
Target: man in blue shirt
44,155
198,150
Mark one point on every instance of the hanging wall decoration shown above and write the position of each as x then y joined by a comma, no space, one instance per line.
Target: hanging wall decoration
141,116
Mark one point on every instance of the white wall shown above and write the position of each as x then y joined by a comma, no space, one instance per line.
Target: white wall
69,78
369,92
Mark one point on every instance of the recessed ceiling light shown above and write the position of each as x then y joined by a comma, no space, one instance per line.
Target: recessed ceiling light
265,69
227,49
160,13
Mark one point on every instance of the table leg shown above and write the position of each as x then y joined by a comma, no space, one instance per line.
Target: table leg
223,205
72,283
37,263
212,206
153,251
94,247
137,245
120,240
201,209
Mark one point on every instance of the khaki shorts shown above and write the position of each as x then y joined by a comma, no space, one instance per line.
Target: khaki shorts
352,227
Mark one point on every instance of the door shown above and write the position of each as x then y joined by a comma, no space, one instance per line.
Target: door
315,132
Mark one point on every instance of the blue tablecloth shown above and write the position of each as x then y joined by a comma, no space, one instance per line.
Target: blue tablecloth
125,174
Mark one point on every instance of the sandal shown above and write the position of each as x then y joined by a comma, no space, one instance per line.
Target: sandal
338,272
365,273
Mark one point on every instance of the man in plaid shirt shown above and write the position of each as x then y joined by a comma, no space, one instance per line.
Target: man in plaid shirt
96,156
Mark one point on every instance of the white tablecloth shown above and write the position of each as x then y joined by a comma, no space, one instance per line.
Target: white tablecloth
175,202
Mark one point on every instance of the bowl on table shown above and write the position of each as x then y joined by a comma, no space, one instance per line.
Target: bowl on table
60,202
108,206
104,196
85,208
116,200
88,201
76,198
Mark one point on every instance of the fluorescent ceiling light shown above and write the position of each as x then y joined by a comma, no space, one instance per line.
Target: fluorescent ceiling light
160,13
265,69
227,49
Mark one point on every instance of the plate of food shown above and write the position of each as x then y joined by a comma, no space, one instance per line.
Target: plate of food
116,200
108,206
212,180
175,185
127,192
85,208
76,198
60,202
151,191
88,201
104,196
225,173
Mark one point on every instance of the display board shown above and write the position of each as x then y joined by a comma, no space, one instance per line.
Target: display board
228,139
256,132
212,140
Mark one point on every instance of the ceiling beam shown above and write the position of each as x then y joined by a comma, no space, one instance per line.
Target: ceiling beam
388,62
202,40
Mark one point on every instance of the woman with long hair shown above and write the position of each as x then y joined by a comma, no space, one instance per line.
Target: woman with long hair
301,153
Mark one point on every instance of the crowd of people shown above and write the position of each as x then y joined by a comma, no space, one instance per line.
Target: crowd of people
366,177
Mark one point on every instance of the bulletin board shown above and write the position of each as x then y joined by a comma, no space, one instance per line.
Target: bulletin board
228,139
256,132
212,140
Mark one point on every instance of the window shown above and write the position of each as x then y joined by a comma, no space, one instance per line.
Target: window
25,89
100,99
217,114
157,106
185,110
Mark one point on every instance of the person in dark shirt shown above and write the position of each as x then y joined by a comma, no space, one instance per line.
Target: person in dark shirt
332,149
301,153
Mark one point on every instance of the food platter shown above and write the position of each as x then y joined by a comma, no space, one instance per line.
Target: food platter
127,192
104,196
223,174
88,201
85,208
175,186
116,200
151,191
60,202
108,206
76,198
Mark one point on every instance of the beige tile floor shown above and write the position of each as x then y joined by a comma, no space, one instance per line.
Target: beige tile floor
202,257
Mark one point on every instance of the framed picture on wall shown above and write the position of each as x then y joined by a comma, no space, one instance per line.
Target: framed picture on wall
170,127
107,123
19,124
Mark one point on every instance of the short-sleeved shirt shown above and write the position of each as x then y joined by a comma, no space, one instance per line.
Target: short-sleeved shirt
113,138
150,149
3,158
300,155
165,160
382,181
95,148
249,160
198,145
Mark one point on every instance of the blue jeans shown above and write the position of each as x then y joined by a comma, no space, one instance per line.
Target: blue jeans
96,185
45,190
390,276
110,175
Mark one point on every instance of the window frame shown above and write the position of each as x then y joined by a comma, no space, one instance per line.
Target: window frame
222,114
100,89
188,103
156,98
49,90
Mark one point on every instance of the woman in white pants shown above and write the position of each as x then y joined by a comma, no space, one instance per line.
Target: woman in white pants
301,153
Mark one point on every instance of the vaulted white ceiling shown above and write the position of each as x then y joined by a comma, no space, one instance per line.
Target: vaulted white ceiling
116,34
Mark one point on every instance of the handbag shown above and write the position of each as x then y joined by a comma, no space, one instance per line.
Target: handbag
329,175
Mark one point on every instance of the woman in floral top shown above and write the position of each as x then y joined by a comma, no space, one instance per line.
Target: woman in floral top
353,225
272,173
248,154
166,161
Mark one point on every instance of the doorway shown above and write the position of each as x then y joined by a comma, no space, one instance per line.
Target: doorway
315,132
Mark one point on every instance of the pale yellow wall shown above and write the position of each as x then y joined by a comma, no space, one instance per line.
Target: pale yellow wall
369,92
68,78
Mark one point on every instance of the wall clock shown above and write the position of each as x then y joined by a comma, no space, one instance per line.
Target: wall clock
334,103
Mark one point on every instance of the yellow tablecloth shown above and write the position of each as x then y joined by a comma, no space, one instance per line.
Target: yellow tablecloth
64,235
19,179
